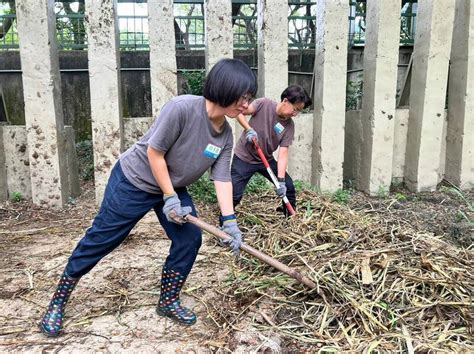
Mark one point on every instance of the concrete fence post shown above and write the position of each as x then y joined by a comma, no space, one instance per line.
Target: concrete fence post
36,24
163,68
219,40
330,93
434,28
105,89
17,160
382,41
460,131
3,169
218,35
72,166
272,32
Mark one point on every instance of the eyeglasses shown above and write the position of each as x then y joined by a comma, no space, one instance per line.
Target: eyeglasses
296,111
245,99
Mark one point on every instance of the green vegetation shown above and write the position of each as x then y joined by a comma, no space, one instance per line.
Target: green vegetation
16,197
354,92
382,192
203,190
258,184
250,219
304,186
401,197
308,209
341,196
194,82
453,190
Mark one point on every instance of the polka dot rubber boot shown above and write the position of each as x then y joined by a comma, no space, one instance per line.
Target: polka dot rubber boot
169,305
52,322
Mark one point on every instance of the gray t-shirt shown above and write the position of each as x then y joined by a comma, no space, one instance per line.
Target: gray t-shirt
272,132
191,145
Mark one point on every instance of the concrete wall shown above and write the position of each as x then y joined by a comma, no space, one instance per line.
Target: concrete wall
17,164
134,128
136,83
162,67
354,140
272,47
329,94
429,79
460,138
379,101
17,169
417,151
44,121
299,164
3,171
352,146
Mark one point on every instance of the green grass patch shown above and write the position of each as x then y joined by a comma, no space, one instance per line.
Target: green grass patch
258,184
341,196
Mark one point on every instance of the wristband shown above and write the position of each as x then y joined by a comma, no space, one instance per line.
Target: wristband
281,179
228,217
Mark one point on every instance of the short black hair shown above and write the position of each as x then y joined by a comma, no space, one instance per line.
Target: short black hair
296,94
228,80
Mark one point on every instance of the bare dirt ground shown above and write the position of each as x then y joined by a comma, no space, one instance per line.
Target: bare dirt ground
113,307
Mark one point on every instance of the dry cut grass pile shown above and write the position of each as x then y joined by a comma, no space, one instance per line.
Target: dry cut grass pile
381,284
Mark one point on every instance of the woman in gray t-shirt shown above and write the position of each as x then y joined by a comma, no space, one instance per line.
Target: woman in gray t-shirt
190,136
272,124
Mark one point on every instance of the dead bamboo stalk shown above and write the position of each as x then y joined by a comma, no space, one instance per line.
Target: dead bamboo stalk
252,251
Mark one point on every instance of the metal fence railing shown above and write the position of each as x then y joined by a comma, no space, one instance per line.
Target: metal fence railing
190,28
133,32
8,40
357,23
193,35
71,31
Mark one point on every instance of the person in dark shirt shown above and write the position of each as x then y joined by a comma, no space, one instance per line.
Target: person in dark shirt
271,123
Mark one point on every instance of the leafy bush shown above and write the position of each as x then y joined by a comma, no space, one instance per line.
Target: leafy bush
194,82
354,92
203,190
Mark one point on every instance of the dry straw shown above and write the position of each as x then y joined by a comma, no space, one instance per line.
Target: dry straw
380,284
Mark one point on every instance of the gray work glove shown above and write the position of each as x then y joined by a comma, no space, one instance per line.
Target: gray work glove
251,134
230,228
281,190
173,210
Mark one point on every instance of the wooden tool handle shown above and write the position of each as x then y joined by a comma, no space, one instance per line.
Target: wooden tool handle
250,250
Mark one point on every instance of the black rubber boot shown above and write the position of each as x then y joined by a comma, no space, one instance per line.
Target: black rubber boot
169,305
52,322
